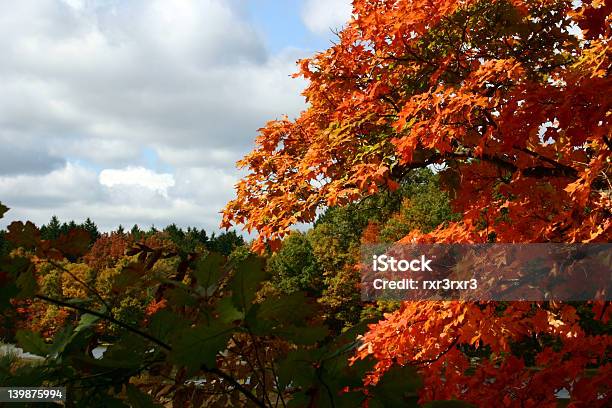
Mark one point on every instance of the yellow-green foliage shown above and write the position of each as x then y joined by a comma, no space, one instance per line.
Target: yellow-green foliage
72,279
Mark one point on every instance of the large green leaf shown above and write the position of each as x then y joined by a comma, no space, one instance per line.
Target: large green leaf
287,316
128,276
86,321
199,346
208,271
180,296
130,351
31,342
61,339
26,282
227,312
398,387
297,368
24,375
302,335
165,324
320,386
246,281
295,307
8,290
72,340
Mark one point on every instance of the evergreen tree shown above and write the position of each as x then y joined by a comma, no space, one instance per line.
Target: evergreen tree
136,232
225,243
52,230
92,229
175,233
67,227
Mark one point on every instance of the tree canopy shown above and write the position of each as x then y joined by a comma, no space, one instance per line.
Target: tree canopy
510,97
510,102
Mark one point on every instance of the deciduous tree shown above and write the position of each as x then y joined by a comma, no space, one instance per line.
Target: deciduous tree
512,100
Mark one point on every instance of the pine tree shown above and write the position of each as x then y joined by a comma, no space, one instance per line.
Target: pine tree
92,229
52,230
136,232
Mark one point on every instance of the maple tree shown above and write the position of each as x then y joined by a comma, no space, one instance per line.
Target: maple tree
511,101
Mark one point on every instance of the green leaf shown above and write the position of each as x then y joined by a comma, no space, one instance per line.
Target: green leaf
7,292
61,339
398,387
305,335
25,375
165,324
346,342
227,311
180,296
86,321
321,387
130,352
246,281
297,368
73,338
128,276
295,307
31,342
286,317
199,345
139,399
26,282
208,270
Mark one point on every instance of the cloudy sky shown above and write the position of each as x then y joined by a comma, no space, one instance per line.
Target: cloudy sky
135,111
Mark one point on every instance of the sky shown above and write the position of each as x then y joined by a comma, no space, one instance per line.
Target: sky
135,111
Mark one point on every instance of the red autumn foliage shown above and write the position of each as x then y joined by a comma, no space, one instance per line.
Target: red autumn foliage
516,107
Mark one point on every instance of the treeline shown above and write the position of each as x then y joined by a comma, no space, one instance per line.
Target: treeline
319,262
212,307
186,239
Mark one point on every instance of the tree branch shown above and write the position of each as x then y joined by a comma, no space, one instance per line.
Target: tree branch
105,317
247,393
562,168
154,340
83,283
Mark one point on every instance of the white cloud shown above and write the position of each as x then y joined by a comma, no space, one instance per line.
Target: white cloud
137,176
71,183
188,197
322,15
87,86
